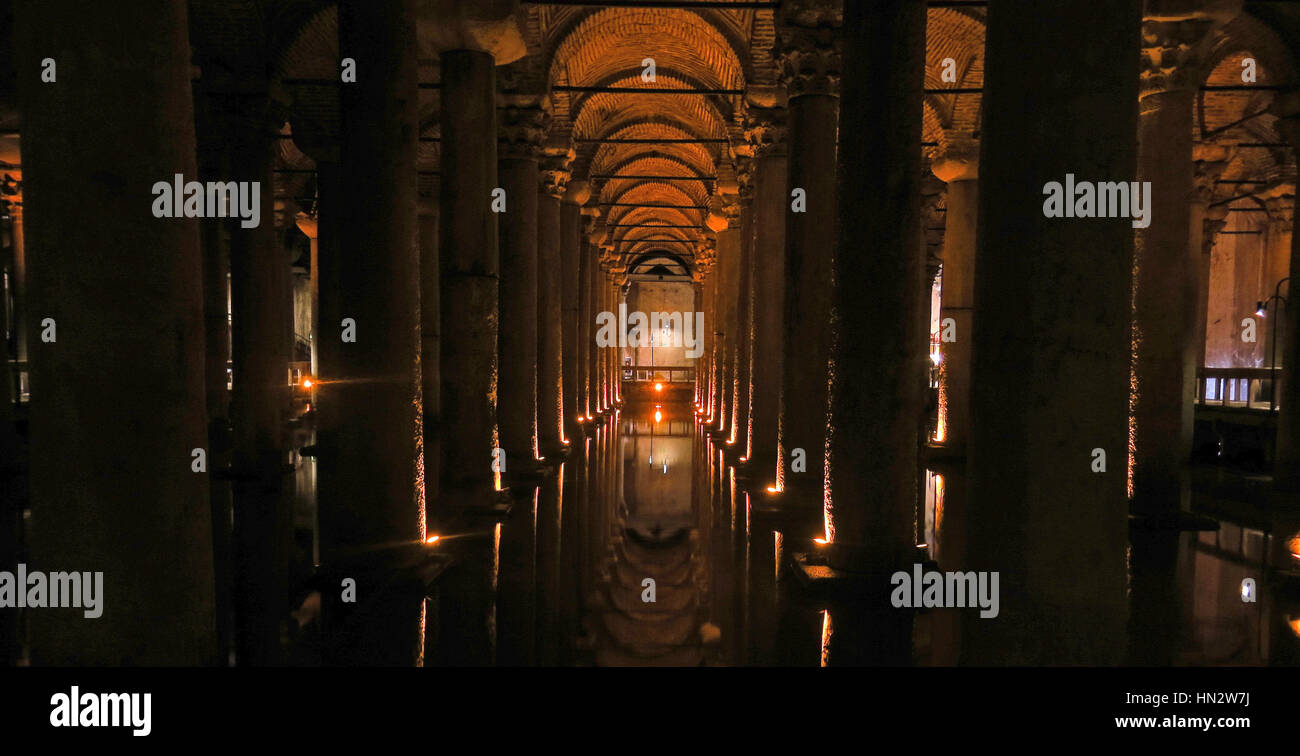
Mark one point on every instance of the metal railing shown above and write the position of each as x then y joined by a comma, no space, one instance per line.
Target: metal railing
658,374
1243,388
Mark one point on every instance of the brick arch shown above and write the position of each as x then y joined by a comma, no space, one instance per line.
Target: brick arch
583,46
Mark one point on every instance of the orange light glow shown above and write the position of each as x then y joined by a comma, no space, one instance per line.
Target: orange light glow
658,416
773,489
1294,624
1293,546
821,541
659,387
432,539
307,383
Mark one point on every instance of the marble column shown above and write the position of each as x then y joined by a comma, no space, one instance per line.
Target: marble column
741,425
470,268
115,330
558,301
430,345
261,339
369,255
959,168
1165,284
522,123
573,238
808,58
1050,375
766,133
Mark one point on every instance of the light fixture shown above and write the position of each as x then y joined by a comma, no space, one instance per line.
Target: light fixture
432,539
659,387
936,357
1261,308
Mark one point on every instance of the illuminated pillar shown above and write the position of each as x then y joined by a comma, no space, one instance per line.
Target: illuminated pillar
470,269
370,259
809,63
1050,375
558,296
1165,295
522,124
960,170
573,238
117,384
744,313
765,131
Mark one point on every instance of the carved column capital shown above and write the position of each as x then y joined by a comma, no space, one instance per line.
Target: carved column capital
522,123
766,131
555,170
1171,44
1208,163
808,47
745,178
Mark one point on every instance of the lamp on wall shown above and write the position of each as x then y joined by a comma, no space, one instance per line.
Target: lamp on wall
1260,310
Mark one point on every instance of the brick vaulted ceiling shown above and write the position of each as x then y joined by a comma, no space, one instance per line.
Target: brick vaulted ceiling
706,48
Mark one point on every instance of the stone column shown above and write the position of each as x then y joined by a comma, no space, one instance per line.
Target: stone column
522,123
117,387
261,339
19,246
959,168
1165,269
557,299
765,131
727,292
1050,375
1277,260
1286,468
807,50
370,263
572,238
596,284
470,267
11,470
1210,161
430,345
876,352
740,425
584,323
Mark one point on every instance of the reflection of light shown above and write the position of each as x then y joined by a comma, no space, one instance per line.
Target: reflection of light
744,459
936,357
665,468
659,387
826,637
1293,546
821,541
1245,591
658,416
432,539
1294,624
773,489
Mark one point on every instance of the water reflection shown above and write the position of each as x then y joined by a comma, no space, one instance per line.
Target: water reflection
645,548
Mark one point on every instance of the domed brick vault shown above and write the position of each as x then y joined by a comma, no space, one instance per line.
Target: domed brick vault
463,189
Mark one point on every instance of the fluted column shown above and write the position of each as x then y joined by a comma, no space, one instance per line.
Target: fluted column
1050,375
960,170
808,55
120,389
766,133
522,123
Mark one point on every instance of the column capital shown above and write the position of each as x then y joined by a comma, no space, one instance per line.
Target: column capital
1172,37
555,170
959,161
766,131
11,191
307,225
1208,163
808,47
522,123
745,178
1281,213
